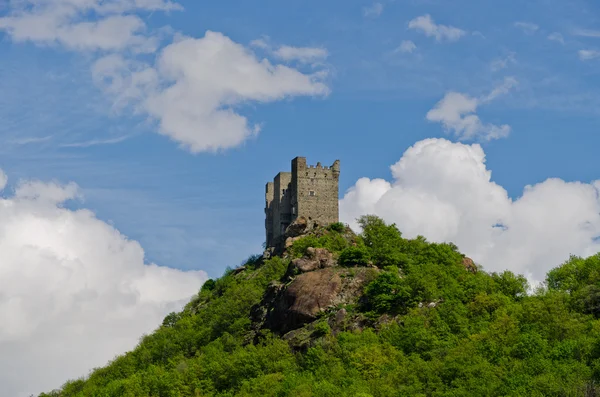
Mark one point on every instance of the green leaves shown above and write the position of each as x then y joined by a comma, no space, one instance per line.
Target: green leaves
424,326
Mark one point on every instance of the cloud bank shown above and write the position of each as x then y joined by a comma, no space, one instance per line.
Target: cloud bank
74,292
443,191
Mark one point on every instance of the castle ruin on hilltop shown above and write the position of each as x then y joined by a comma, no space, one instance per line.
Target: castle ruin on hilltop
311,192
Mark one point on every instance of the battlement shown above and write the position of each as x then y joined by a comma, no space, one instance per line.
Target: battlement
310,191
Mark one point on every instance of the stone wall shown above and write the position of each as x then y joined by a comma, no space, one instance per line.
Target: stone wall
317,192
269,196
282,213
309,191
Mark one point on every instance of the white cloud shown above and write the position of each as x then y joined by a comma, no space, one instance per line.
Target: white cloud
373,11
196,85
67,22
527,27
456,112
302,54
73,290
97,142
587,33
406,46
443,191
426,25
556,37
3,180
503,63
586,55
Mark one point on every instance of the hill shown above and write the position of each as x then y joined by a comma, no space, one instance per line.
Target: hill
339,314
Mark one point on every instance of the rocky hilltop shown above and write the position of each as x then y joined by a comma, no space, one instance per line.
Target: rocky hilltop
328,312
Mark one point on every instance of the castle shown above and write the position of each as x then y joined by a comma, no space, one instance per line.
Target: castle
308,191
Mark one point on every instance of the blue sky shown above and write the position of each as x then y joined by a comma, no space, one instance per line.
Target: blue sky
188,209
449,118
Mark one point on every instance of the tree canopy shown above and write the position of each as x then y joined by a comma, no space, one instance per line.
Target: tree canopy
435,328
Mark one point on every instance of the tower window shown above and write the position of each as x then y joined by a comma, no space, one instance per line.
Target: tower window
311,193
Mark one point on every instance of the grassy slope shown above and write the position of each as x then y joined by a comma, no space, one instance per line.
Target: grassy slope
484,337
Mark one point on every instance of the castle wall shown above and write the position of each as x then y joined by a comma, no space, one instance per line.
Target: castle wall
269,196
317,192
281,203
309,191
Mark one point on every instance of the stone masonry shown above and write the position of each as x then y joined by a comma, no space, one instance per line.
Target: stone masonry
308,191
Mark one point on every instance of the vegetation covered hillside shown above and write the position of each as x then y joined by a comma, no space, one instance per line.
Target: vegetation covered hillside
370,315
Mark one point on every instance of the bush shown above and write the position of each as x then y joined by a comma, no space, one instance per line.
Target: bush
337,227
354,256
322,328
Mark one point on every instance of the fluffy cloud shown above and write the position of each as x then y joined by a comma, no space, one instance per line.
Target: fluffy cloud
456,113
443,191
527,27
196,84
193,89
83,25
427,26
406,46
586,55
74,292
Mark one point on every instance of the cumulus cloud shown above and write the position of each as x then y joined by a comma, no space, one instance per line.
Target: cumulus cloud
373,11
556,37
74,292
67,22
586,55
456,113
443,191
196,85
406,46
527,27
427,26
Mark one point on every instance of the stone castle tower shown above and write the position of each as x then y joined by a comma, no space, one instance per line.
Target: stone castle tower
308,191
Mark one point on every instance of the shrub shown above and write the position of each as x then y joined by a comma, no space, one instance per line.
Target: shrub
337,227
322,328
354,256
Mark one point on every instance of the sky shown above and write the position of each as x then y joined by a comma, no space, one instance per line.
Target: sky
136,138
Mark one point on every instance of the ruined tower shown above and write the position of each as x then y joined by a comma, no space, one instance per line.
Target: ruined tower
308,191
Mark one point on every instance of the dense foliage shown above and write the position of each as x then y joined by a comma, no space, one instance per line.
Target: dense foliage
436,329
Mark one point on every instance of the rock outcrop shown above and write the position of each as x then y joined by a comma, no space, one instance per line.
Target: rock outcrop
288,307
469,264
315,258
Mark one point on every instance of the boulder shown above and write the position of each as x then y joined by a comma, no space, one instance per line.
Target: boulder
315,258
299,227
312,293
